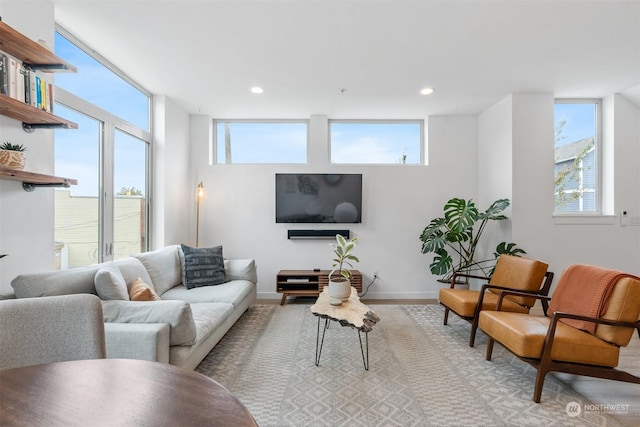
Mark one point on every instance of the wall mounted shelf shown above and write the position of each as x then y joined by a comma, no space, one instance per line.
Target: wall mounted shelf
31,181
35,57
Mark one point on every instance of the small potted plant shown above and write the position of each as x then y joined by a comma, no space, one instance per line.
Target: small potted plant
339,278
12,155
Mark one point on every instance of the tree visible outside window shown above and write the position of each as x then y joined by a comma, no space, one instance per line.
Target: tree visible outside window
576,171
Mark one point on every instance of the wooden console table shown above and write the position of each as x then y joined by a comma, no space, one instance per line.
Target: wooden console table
308,282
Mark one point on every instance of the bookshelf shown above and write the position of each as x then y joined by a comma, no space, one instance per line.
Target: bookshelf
31,180
35,57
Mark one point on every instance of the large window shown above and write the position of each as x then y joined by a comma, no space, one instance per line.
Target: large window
240,141
377,142
105,216
577,147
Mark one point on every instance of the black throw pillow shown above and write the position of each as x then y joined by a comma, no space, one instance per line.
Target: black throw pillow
202,266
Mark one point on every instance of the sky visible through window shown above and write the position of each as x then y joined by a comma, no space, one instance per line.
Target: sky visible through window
267,142
580,121
375,143
77,152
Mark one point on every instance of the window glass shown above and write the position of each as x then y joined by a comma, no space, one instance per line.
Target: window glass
99,85
392,142
77,155
105,216
576,179
129,164
261,142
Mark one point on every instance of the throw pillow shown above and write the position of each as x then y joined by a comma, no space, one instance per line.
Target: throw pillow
140,291
110,283
202,266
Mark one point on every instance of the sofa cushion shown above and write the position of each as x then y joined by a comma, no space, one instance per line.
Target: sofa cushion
208,318
230,293
64,282
177,314
140,291
132,270
202,266
163,266
110,283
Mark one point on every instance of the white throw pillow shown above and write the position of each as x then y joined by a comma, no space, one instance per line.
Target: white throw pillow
110,284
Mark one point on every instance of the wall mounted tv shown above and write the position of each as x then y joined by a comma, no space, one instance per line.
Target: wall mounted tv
318,198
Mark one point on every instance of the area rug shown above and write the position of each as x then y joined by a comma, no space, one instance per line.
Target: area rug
422,373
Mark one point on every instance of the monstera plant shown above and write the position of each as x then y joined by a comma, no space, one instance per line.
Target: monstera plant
454,239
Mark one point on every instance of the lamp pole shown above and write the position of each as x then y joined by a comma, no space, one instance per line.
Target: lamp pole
199,195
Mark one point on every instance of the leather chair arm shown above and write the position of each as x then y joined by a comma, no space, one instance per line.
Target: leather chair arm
520,293
469,276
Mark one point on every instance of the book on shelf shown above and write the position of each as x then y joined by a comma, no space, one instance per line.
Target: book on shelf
297,280
25,85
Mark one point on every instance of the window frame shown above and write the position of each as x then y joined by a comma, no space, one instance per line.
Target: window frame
109,124
598,149
421,122
213,156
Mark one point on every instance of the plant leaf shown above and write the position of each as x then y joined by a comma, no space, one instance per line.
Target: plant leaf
442,262
493,211
460,214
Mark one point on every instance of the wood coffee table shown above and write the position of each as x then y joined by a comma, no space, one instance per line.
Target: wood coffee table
115,392
351,313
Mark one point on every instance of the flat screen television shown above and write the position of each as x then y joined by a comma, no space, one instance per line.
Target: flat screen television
318,198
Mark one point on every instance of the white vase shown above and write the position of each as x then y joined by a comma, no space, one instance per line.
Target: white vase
339,291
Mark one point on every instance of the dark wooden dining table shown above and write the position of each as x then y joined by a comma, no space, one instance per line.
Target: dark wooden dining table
115,392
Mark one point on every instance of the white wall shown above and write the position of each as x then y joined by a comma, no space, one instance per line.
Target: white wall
398,202
171,198
26,219
562,241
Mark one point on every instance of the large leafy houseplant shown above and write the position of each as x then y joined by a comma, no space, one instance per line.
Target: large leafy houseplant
454,238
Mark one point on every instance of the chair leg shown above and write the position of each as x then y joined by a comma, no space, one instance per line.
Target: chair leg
489,349
540,375
446,316
474,329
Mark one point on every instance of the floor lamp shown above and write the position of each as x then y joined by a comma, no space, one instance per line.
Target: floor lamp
199,196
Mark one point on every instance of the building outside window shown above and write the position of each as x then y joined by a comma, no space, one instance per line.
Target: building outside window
577,160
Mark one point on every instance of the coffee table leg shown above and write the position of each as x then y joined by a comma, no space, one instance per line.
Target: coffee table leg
364,349
320,341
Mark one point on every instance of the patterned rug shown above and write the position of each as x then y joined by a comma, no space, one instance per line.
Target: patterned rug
421,374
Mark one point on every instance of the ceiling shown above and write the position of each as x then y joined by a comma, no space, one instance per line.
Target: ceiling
363,58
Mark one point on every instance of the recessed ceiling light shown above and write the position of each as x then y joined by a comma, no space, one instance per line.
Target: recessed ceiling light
426,91
257,89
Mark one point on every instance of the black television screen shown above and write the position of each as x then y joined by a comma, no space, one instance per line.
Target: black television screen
318,198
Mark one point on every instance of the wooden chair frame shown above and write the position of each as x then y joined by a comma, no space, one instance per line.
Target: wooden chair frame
545,364
543,291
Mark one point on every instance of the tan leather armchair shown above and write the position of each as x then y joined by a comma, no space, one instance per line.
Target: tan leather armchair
572,342
511,272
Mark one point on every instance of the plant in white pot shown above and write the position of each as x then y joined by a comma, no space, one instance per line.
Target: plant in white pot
339,278
12,155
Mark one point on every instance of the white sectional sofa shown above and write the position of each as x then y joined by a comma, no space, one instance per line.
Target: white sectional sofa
180,328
